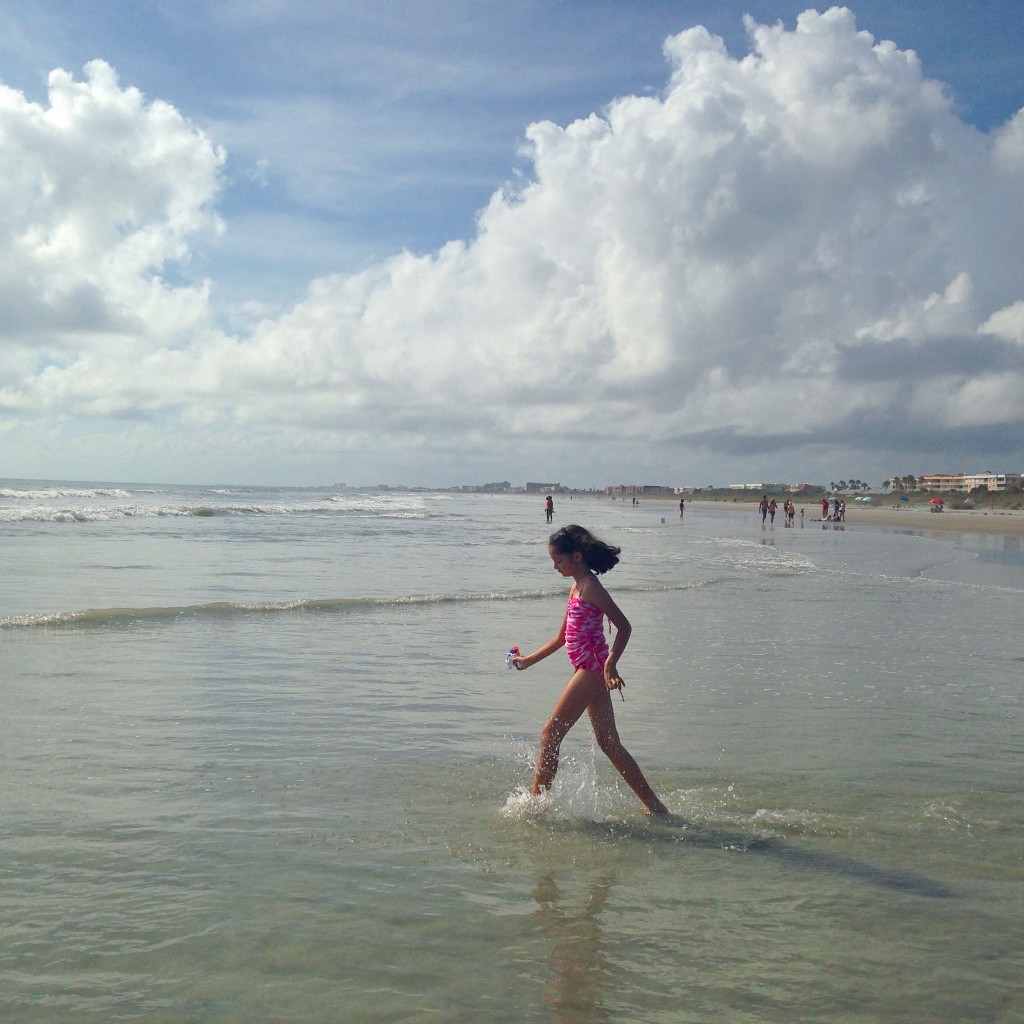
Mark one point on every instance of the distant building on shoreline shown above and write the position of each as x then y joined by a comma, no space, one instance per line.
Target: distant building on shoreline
967,482
501,487
763,488
638,490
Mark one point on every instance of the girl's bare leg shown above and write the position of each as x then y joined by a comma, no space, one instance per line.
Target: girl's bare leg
579,692
602,718
586,691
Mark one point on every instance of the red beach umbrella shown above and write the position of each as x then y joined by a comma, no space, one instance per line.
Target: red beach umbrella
936,501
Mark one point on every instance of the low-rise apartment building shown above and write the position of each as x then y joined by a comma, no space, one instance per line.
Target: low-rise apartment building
967,482
992,481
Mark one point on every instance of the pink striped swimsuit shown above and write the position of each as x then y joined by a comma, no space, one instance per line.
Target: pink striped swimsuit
584,635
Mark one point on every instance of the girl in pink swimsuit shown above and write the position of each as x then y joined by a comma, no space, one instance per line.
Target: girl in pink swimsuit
578,553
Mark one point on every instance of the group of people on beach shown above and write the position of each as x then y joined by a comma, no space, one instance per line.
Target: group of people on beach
838,513
767,508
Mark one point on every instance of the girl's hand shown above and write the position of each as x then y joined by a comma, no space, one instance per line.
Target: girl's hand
518,664
613,681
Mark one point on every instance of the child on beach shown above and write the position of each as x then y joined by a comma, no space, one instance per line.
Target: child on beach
577,553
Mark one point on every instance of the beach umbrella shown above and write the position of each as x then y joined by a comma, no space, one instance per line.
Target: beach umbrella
936,501
903,497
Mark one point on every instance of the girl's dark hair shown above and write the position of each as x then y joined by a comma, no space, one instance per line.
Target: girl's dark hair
600,557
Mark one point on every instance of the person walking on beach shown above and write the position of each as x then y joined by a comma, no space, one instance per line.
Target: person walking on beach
824,508
549,508
772,507
762,507
577,553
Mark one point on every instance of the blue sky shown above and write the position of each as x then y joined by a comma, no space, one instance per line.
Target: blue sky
339,251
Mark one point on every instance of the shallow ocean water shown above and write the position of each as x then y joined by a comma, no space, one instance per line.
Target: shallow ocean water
266,763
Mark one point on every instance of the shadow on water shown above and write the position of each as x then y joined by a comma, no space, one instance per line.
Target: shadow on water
577,985
679,831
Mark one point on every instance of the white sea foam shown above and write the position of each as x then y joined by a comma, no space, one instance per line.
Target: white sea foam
52,493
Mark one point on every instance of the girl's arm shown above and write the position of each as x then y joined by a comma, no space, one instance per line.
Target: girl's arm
556,642
594,593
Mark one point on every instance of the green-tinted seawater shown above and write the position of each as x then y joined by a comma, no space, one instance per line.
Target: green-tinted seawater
297,793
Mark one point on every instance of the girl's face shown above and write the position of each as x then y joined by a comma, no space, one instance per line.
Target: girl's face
567,565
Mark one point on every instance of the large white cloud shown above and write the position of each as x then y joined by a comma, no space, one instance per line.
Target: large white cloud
804,246
104,194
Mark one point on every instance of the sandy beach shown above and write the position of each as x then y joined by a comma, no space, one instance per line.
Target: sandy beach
964,520
1005,521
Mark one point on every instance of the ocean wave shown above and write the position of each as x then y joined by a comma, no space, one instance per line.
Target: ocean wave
107,617
57,502
79,513
83,514
235,609
53,493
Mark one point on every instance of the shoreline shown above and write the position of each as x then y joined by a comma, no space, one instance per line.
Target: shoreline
1004,521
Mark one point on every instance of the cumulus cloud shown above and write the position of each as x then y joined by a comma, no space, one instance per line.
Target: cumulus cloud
104,193
801,247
